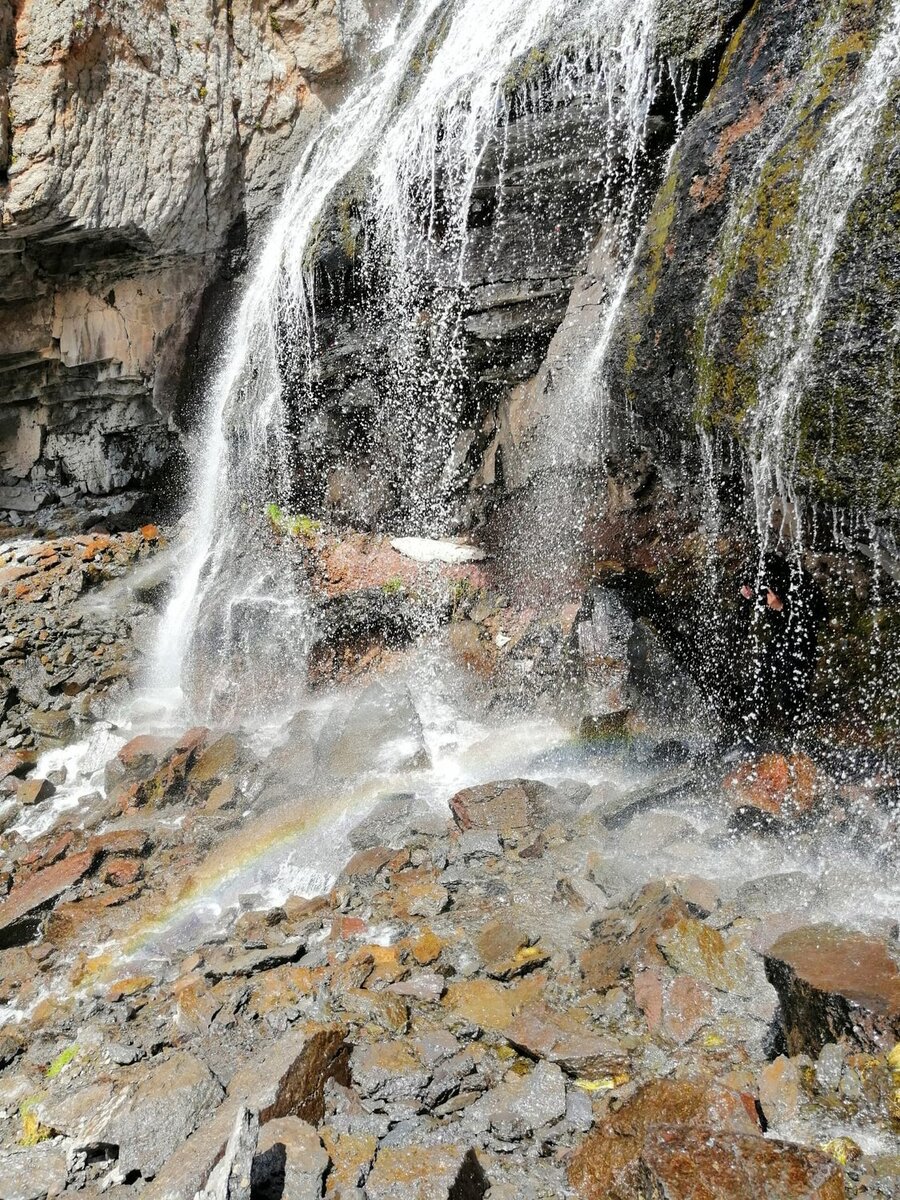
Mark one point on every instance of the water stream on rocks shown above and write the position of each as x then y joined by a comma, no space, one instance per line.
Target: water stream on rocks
418,129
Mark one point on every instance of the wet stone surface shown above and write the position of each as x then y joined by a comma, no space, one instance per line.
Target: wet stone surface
491,995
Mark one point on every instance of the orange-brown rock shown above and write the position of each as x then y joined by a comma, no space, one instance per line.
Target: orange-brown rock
131,842
777,784
143,754
489,1005
43,888
608,1164
365,864
119,872
835,984
89,917
351,1155
560,1038
16,762
508,948
215,760
427,948
33,791
426,1173
511,806
679,1164
625,941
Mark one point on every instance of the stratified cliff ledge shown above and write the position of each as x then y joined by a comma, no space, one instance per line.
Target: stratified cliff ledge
137,139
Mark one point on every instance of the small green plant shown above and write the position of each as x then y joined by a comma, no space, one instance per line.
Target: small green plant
201,92
275,23
78,25
33,1132
300,526
393,587
173,30
276,516
61,1061
461,592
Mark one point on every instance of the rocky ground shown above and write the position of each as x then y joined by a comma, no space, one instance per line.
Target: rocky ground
486,1002
61,655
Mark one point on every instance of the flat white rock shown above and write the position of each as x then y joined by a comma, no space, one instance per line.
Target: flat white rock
426,550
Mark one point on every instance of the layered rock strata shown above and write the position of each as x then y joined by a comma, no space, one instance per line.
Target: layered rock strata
137,143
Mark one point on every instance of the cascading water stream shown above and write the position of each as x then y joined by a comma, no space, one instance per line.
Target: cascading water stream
419,129
780,343
831,182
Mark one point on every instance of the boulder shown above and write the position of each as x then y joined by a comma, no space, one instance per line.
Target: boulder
231,1177
694,948
288,1080
33,1173
392,821
521,1104
626,939
382,725
783,786
216,760
290,1161
508,946
33,791
51,728
450,1172
561,1039
835,984
607,1165
513,806
147,1111
18,911
389,1070
680,1164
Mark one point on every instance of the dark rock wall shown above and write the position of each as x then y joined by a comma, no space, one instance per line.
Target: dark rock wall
553,178
699,338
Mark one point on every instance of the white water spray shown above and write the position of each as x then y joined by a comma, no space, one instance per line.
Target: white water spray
419,130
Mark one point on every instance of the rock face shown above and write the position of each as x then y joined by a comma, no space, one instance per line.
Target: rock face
550,180
722,295
137,141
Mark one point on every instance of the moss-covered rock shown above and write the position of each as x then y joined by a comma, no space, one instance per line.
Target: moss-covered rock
722,297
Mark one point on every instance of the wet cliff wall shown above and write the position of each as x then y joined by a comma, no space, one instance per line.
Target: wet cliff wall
138,142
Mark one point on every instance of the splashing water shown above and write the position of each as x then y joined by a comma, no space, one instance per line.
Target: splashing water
452,79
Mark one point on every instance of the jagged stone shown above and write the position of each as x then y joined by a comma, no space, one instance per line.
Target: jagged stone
542,1033
626,940
288,1080
33,1173
147,1112
607,1165
449,1172
680,1165
290,1162
231,1176
508,807
522,1104
835,984
38,891
34,791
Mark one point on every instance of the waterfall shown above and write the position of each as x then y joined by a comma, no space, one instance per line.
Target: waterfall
781,341
831,183
449,80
